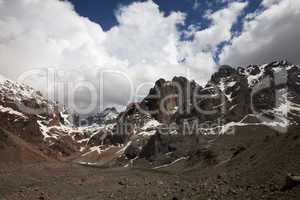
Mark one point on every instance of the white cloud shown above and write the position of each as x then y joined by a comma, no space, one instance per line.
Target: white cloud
47,33
219,31
145,45
145,35
268,3
270,34
198,53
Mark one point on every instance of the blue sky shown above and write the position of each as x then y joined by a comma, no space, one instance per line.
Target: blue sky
104,13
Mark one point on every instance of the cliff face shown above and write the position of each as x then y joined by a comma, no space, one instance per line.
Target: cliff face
230,95
168,97
235,100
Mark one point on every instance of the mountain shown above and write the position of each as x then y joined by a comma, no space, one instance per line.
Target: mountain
107,116
47,127
169,124
36,121
239,92
235,99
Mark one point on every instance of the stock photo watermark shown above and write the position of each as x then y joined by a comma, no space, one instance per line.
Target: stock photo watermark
183,101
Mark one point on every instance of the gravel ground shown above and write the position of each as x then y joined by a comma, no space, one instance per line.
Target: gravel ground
71,181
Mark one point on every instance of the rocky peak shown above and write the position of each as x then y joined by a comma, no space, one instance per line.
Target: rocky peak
223,72
107,116
166,97
160,82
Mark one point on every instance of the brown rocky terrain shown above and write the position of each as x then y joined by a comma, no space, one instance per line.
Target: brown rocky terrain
256,168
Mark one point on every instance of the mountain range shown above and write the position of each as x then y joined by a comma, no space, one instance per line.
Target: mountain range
244,120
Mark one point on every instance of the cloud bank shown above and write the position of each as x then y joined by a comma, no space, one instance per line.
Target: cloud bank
147,44
271,33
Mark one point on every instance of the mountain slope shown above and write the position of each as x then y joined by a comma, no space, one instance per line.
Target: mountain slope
265,97
15,150
28,115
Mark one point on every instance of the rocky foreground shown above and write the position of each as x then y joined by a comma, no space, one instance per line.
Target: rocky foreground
257,170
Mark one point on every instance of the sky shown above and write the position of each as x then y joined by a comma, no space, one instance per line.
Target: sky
104,14
72,50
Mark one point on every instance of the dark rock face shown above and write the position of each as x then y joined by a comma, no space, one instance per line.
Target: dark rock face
255,94
168,97
98,138
132,151
162,94
230,95
155,146
224,71
4,141
130,121
243,91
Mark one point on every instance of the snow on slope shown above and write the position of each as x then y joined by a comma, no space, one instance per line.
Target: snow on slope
253,79
224,85
151,124
110,116
11,91
12,112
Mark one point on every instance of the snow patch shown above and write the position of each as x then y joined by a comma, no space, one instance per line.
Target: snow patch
277,69
97,149
151,125
54,132
16,92
121,151
44,130
12,112
231,84
172,163
174,109
110,116
253,79
174,132
82,149
65,117
147,133
223,87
